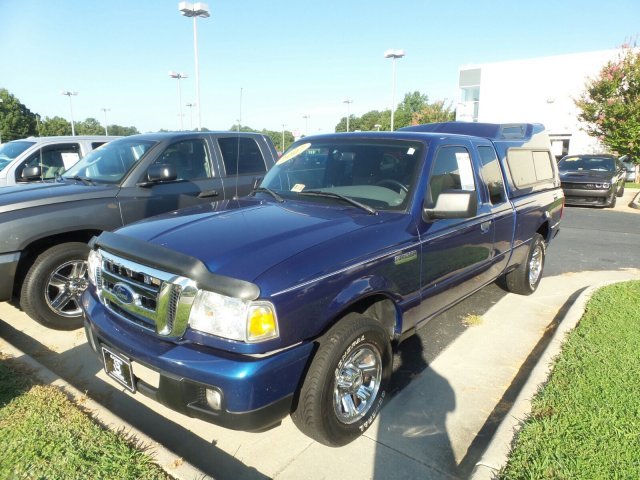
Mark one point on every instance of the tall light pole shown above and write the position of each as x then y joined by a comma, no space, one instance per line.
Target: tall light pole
195,10
393,54
178,76
306,128
190,105
282,149
70,94
348,102
106,130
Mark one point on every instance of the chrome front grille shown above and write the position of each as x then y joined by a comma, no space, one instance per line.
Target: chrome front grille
154,299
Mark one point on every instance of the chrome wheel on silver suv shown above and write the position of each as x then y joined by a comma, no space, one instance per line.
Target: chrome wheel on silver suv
65,286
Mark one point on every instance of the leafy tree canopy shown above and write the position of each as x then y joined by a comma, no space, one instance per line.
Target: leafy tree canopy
276,137
16,120
610,105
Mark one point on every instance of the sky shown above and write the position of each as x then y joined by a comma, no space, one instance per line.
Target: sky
271,63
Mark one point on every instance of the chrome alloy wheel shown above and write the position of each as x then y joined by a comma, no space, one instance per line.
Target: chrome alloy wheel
535,265
65,286
357,382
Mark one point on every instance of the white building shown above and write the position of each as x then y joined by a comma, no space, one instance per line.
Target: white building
539,90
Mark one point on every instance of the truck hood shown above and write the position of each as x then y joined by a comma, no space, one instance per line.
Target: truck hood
242,239
46,193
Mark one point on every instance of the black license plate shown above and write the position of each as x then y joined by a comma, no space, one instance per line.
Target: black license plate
119,368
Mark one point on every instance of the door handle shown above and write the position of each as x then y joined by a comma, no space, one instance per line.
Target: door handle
208,194
485,226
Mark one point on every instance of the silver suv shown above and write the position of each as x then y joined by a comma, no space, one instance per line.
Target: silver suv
41,158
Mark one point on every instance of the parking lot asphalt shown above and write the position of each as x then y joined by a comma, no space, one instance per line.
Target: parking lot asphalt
436,425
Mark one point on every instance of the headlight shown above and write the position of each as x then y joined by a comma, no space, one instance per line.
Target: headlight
233,318
94,262
606,185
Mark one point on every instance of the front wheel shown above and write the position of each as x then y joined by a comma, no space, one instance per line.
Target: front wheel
53,285
345,386
525,279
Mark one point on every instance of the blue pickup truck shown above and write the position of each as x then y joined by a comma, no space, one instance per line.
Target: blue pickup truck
290,300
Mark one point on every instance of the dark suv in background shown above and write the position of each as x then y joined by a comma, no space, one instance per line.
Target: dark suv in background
592,180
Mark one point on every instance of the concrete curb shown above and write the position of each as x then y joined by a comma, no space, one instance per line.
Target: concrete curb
175,466
496,454
635,203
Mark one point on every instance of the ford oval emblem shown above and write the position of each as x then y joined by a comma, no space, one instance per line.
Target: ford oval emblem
124,293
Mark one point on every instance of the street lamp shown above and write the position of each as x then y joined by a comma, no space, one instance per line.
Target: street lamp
195,10
348,102
282,149
306,129
377,127
70,94
393,54
191,105
179,76
105,110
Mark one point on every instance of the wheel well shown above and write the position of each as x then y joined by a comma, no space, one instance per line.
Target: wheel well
380,308
544,231
35,248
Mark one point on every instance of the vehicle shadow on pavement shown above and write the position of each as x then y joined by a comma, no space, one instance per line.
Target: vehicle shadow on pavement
78,366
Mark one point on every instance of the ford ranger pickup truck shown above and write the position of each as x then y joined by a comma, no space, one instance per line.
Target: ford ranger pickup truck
45,226
288,301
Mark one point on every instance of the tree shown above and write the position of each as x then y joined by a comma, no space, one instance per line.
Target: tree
122,131
90,126
276,137
437,111
610,105
54,126
16,120
412,103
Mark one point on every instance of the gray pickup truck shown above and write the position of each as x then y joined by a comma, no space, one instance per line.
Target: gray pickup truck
45,226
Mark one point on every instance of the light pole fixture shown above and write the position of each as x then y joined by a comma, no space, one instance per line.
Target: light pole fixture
195,10
106,130
393,54
178,76
348,102
306,128
377,127
282,149
190,105
70,94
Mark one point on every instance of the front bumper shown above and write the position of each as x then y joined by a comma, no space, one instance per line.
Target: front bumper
256,392
8,267
579,196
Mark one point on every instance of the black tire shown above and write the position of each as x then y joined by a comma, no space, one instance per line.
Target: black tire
319,414
53,285
525,279
621,191
612,203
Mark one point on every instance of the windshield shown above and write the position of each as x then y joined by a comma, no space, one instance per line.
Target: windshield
111,162
594,164
9,151
377,173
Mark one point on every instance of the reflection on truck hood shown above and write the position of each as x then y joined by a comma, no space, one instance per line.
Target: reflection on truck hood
585,176
35,194
245,238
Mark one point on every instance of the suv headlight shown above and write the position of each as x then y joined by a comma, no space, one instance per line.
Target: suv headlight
233,318
94,262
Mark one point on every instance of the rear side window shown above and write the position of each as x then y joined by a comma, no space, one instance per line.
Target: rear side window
529,167
241,155
492,175
52,160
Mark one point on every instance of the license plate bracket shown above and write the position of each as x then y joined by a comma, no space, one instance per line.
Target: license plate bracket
118,367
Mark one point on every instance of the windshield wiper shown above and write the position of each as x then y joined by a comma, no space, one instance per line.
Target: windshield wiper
355,203
78,178
269,191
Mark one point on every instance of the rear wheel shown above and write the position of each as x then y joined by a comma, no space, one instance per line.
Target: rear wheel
345,385
621,191
53,285
525,279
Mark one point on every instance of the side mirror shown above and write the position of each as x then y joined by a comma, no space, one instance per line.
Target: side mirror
31,173
453,204
161,173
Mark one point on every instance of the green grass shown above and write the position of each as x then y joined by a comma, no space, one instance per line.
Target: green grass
43,435
585,423
631,185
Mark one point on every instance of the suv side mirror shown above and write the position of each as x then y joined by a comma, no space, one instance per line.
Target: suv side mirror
31,173
161,173
453,204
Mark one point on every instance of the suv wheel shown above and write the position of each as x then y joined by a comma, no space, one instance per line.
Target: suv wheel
53,286
525,279
345,385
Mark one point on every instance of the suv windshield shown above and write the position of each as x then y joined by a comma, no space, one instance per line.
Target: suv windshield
110,162
11,150
594,164
377,173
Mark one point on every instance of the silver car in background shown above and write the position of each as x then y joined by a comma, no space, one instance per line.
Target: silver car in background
51,156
